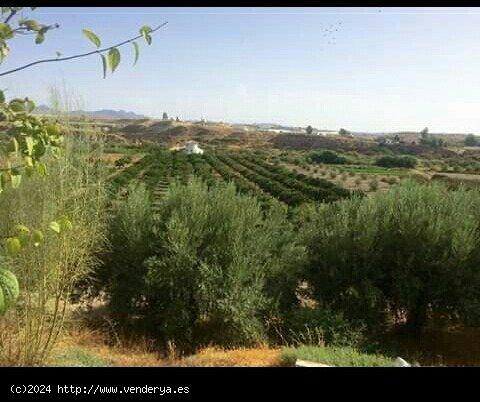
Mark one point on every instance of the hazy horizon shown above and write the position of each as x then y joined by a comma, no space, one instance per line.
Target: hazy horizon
364,69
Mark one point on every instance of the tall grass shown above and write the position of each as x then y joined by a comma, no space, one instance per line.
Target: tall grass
48,273
334,356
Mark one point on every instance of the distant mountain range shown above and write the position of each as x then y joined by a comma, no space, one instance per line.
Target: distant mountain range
104,113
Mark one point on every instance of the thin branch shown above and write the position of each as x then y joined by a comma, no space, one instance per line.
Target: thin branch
12,13
77,56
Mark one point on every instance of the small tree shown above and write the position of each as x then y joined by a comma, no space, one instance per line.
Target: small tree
32,138
343,132
471,140
309,130
165,116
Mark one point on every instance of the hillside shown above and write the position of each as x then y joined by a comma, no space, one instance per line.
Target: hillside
170,133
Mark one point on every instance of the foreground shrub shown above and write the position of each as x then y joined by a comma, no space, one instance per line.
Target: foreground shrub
398,255
218,269
48,273
321,327
334,356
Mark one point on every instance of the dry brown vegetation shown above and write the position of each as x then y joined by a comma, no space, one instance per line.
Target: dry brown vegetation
140,353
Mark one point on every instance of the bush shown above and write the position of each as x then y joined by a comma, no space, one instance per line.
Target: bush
50,272
320,326
373,185
329,157
218,269
396,161
404,253
130,233
124,160
334,356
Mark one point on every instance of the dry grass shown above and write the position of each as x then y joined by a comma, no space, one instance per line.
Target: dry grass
96,343
140,353
213,357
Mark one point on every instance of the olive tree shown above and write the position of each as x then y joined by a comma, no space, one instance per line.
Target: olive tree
398,256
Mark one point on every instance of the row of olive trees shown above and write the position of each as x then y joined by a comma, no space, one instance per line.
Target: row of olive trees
213,268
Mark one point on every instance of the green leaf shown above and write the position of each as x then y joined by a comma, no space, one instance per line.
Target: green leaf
13,146
55,226
5,31
41,169
2,97
21,229
9,290
137,52
16,179
13,245
92,37
37,237
145,32
65,223
30,144
39,38
113,58
104,63
29,162
32,25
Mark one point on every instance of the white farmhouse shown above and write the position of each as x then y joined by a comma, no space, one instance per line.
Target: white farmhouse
191,147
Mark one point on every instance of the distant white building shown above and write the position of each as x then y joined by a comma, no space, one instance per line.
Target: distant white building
191,147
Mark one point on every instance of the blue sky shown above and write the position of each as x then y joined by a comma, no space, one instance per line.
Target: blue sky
385,69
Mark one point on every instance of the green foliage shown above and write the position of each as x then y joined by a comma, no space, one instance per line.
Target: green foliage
9,290
217,265
329,157
130,237
320,326
51,262
403,253
113,59
124,160
9,28
137,52
92,37
76,357
471,140
334,356
145,31
396,161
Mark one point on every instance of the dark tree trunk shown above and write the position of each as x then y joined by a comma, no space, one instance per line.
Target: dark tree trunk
417,317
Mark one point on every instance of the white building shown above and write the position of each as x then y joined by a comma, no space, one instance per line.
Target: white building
191,147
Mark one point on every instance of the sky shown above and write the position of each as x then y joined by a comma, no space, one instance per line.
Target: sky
363,69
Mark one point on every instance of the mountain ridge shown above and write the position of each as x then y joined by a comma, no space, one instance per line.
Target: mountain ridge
102,113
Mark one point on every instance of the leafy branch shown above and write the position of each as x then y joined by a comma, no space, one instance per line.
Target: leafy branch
145,32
